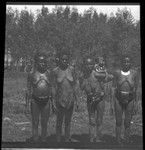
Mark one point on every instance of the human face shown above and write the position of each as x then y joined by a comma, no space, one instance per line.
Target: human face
64,62
101,63
90,65
41,64
126,65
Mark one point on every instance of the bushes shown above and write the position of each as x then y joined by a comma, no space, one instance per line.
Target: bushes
14,75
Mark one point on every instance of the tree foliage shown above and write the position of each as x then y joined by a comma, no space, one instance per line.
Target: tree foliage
81,34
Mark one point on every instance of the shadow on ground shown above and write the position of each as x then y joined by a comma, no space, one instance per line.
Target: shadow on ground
106,139
136,139
82,141
74,138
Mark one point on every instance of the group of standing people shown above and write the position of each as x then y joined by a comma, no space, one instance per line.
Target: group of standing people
58,87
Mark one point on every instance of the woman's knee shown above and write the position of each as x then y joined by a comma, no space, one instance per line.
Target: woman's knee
126,123
35,123
99,121
118,121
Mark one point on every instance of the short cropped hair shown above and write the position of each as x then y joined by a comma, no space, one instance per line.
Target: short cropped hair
38,54
126,56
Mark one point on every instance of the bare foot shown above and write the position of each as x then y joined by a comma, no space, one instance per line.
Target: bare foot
32,139
43,139
91,139
68,140
127,140
58,139
98,139
119,142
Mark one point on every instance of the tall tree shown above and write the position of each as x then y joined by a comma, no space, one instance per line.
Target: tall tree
26,36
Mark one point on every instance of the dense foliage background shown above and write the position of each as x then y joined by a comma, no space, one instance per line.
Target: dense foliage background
81,34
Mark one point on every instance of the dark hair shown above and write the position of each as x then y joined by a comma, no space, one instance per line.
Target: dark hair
125,56
98,59
39,54
62,53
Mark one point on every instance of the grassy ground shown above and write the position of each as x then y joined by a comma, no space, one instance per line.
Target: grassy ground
17,127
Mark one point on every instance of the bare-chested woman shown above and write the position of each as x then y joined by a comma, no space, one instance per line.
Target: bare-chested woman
126,81
92,82
39,96
64,94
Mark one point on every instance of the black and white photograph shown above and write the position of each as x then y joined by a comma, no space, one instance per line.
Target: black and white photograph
72,76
